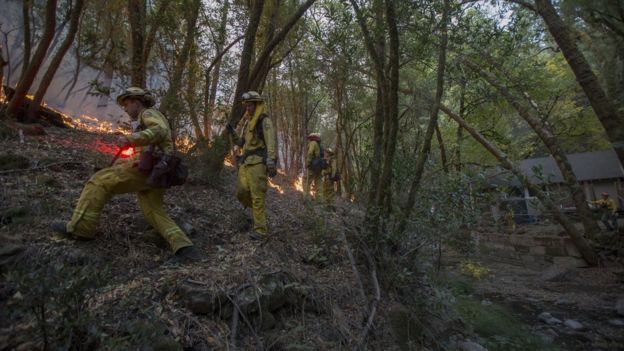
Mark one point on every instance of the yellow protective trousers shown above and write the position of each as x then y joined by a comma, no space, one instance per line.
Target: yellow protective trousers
329,192
313,182
121,179
251,191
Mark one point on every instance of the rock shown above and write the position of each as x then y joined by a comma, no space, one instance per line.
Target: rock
548,335
572,324
619,306
11,161
616,322
548,318
468,345
486,302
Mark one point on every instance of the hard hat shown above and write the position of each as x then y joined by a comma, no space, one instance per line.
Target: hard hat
604,193
314,135
138,93
329,150
251,96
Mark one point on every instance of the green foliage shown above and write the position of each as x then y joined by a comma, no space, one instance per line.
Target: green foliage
57,296
498,326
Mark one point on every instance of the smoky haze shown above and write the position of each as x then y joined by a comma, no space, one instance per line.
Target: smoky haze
77,99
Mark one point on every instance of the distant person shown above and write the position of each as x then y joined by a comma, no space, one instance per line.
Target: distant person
315,163
258,141
608,210
125,177
330,178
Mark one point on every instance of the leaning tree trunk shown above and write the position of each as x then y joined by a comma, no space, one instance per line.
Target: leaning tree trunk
35,63
56,60
551,143
247,75
611,120
433,122
577,238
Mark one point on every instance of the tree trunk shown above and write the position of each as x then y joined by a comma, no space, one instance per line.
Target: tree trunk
442,149
433,121
156,19
552,144
577,238
212,84
136,17
392,114
246,80
56,60
611,120
27,79
170,105
26,6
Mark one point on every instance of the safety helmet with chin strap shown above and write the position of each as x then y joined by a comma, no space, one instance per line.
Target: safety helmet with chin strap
139,94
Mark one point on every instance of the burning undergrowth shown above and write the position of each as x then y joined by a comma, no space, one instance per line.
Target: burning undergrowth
297,290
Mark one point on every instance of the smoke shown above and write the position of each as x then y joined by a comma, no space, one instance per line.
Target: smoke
73,97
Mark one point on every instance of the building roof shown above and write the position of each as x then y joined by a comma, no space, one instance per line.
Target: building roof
587,166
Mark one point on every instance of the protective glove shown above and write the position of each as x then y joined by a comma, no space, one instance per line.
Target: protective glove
271,168
229,128
122,141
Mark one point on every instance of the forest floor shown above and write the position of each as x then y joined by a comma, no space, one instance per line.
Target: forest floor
298,291
566,305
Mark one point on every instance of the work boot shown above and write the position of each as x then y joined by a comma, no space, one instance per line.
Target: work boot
188,254
61,229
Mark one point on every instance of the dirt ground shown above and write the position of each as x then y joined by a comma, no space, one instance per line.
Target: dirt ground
586,295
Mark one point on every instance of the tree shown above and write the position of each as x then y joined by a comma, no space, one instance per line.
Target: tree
611,119
76,12
28,77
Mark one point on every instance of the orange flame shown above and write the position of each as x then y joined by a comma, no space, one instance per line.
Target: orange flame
276,187
298,184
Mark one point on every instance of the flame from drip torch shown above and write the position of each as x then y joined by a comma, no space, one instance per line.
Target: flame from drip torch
127,152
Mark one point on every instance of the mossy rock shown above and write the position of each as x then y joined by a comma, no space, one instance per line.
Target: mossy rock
12,161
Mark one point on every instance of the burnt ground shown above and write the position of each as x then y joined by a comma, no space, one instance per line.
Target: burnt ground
140,286
298,291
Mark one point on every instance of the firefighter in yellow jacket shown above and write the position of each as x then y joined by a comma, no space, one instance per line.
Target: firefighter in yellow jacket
313,167
258,143
124,177
330,178
608,210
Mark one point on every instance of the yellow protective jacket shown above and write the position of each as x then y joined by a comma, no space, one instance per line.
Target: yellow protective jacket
608,203
251,142
332,169
314,151
153,129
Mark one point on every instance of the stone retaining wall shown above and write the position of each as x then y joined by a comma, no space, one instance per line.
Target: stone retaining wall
526,250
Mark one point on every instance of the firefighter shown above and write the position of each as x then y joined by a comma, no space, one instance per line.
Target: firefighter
124,177
330,178
314,167
608,208
258,143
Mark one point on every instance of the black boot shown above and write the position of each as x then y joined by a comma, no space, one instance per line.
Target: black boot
61,229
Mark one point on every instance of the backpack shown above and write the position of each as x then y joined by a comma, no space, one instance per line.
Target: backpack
320,163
